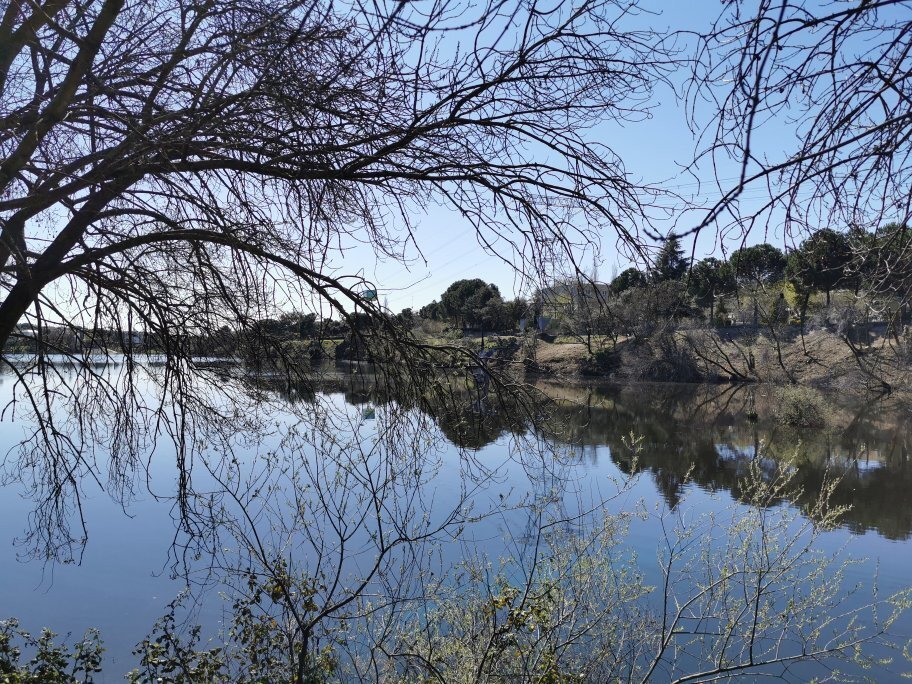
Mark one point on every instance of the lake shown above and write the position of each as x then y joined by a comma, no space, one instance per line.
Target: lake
693,446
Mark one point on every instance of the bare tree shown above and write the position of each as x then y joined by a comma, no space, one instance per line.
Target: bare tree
175,168
159,158
833,75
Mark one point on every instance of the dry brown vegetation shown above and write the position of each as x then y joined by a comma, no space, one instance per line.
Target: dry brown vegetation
822,359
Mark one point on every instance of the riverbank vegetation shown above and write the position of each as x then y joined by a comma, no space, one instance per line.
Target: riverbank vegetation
823,312
819,314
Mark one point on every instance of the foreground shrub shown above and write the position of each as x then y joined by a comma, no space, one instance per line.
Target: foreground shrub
50,662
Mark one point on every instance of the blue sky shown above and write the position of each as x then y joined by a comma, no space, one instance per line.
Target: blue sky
652,150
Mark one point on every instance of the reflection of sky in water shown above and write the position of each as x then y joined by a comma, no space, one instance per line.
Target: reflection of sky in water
123,584
727,452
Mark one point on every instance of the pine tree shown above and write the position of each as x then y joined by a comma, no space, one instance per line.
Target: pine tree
670,263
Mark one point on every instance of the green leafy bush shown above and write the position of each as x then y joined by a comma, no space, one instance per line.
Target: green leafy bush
801,407
51,663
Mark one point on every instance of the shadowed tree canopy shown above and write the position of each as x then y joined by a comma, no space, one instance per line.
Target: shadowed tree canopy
670,263
627,279
710,278
432,311
884,258
472,302
758,265
820,262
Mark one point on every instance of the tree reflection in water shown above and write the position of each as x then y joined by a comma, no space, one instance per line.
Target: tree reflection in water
349,504
707,434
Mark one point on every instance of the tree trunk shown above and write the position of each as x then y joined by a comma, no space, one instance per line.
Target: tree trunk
13,309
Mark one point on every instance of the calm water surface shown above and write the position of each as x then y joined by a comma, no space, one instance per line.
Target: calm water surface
697,441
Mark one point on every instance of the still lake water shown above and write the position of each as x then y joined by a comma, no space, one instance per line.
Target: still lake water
696,444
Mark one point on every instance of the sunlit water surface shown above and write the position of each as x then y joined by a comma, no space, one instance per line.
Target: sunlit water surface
696,442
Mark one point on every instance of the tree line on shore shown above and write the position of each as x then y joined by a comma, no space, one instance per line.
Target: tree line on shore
756,284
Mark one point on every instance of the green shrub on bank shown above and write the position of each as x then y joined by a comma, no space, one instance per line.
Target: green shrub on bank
801,407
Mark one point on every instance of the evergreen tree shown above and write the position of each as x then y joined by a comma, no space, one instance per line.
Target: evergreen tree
756,268
670,263
758,265
820,262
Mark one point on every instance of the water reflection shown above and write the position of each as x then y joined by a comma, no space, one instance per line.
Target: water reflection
354,484
707,434
711,433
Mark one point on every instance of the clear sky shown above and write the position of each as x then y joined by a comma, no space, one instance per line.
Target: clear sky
653,150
